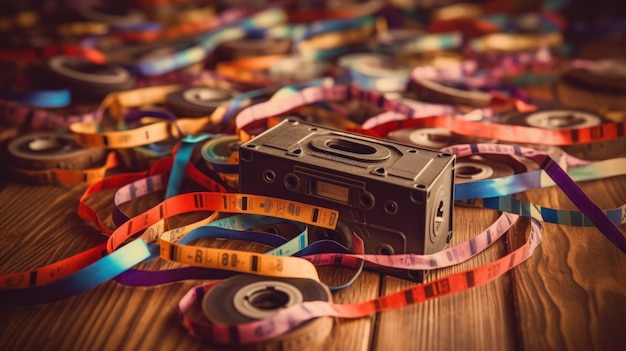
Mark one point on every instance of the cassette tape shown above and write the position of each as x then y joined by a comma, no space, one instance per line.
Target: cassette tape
398,198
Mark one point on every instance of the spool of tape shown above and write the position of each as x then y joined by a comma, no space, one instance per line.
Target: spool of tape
456,10
246,298
249,47
431,58
475,168
85,78
39,151
134,55
376,72
111,13
390,40
197,101
297,69
554,119
515,42
606,76
448,93
567,119
219,153
434,138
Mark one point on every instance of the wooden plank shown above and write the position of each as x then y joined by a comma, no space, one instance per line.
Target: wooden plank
478,319
40,226
572,294
348,334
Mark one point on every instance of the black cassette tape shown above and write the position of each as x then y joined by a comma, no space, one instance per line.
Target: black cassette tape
397,197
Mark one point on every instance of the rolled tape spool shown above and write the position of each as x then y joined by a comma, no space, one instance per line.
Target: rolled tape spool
515,42
219,153
448,93
111,13
143,157
434,138
430,58
605,76
86,78
246,298
376,72
405,41
197,101
566,119
389,40
39,151
382,66
133,55
457,10
475,168
298,69
250,47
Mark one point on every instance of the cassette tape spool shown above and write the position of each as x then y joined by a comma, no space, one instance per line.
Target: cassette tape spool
298,69
47,150
246,298
477,167
376,71
221,154
398,198
606,76
197,101
117,14
250,47
447,93
433,138
87,79
567,119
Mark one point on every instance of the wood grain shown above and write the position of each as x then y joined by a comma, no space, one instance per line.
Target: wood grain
571,295
476,319
40,226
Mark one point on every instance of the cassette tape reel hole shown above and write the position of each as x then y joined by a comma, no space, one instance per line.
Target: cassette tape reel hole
475,168
263,299
474,171
385,249
246,298
292,181
391,207
269,176
367,200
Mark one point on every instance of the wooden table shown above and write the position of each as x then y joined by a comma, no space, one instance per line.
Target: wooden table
571,294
